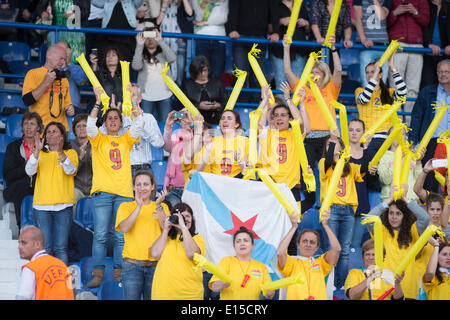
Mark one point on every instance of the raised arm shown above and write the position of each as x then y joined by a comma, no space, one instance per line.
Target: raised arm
290,75
284,244
332,255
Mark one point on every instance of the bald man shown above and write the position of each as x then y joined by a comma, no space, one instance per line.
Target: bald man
44,277
47,94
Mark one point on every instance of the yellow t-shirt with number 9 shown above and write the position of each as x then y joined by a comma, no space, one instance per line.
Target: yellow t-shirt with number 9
111,167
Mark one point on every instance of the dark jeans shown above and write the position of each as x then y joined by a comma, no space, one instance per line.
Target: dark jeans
430,184
215,52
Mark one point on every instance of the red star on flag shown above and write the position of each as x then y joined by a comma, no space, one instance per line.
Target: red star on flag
237,224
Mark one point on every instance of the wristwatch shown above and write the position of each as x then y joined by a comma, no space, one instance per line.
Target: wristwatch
416,13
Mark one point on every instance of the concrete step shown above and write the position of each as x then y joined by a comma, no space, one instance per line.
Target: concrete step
8,290
12,263
9,275
9,250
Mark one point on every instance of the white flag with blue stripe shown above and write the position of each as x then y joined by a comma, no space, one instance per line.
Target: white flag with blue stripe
221,205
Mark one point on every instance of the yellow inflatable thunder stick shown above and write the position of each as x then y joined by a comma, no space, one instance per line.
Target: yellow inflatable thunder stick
313,58
94,81
397,171
393,46
201,261
252,55
390,110
322,104
241,76
343,122
309,178
178,93
404,174
445,139
333,21
386,145
332,185
297,279
439,178
253,136
293,20
377,237
126,104
441,108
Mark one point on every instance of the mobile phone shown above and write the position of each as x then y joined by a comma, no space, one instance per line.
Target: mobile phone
405,2
179,115
149,34
94,51
439,163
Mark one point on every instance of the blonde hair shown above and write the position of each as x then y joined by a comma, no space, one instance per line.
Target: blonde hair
326,70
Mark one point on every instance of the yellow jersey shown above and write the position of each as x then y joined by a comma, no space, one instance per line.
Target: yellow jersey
356,276
237,270
371,112
139,239
436,291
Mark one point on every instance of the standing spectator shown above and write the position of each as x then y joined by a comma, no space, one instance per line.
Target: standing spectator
67,13
320,18
436,36
405,22
297,55
141,221
251,18
118,14
46,93
34,284
9,12
423,113
94,21
150,57
55,163
77,78
206,92
370,23
210,19
436,279
81,144
175,277
149,10
18,183
111,181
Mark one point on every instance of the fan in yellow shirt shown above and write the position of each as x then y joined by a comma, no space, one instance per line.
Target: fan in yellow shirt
141,222
248,275
436,280
227,153
314,270
360,284
175,276
54,195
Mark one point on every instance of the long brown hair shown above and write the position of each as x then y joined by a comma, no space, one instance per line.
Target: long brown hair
385,95
404,234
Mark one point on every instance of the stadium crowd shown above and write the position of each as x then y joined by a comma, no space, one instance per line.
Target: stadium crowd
151,232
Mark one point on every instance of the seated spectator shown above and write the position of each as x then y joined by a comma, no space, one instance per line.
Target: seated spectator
175,277
297,55
45,92
320,18
314,269
83,178
385,171
118,14
245,286
150,57
55,163
435,280
403,222
228,153
109,73
210,18
370,22
77,78
405,22
330,86
436,36
359,284
141,221
18,183
204,91
375,94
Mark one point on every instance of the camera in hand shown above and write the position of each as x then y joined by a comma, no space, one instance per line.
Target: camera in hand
174,219
179,115
60,74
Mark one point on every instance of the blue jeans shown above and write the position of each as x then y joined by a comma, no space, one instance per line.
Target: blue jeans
341,223
181,62
366,57
215,52
56,228
297,64
105,207
159,109
358,232
137,281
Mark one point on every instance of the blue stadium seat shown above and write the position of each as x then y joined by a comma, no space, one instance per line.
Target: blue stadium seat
26,212
374,199
10,51
348,57
159,170
22,66
349,86
11,100
157,153
13,125
353,72
244,114
84,213
86,267
4,141
356,260
110,290
310,220
70,134
2,159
